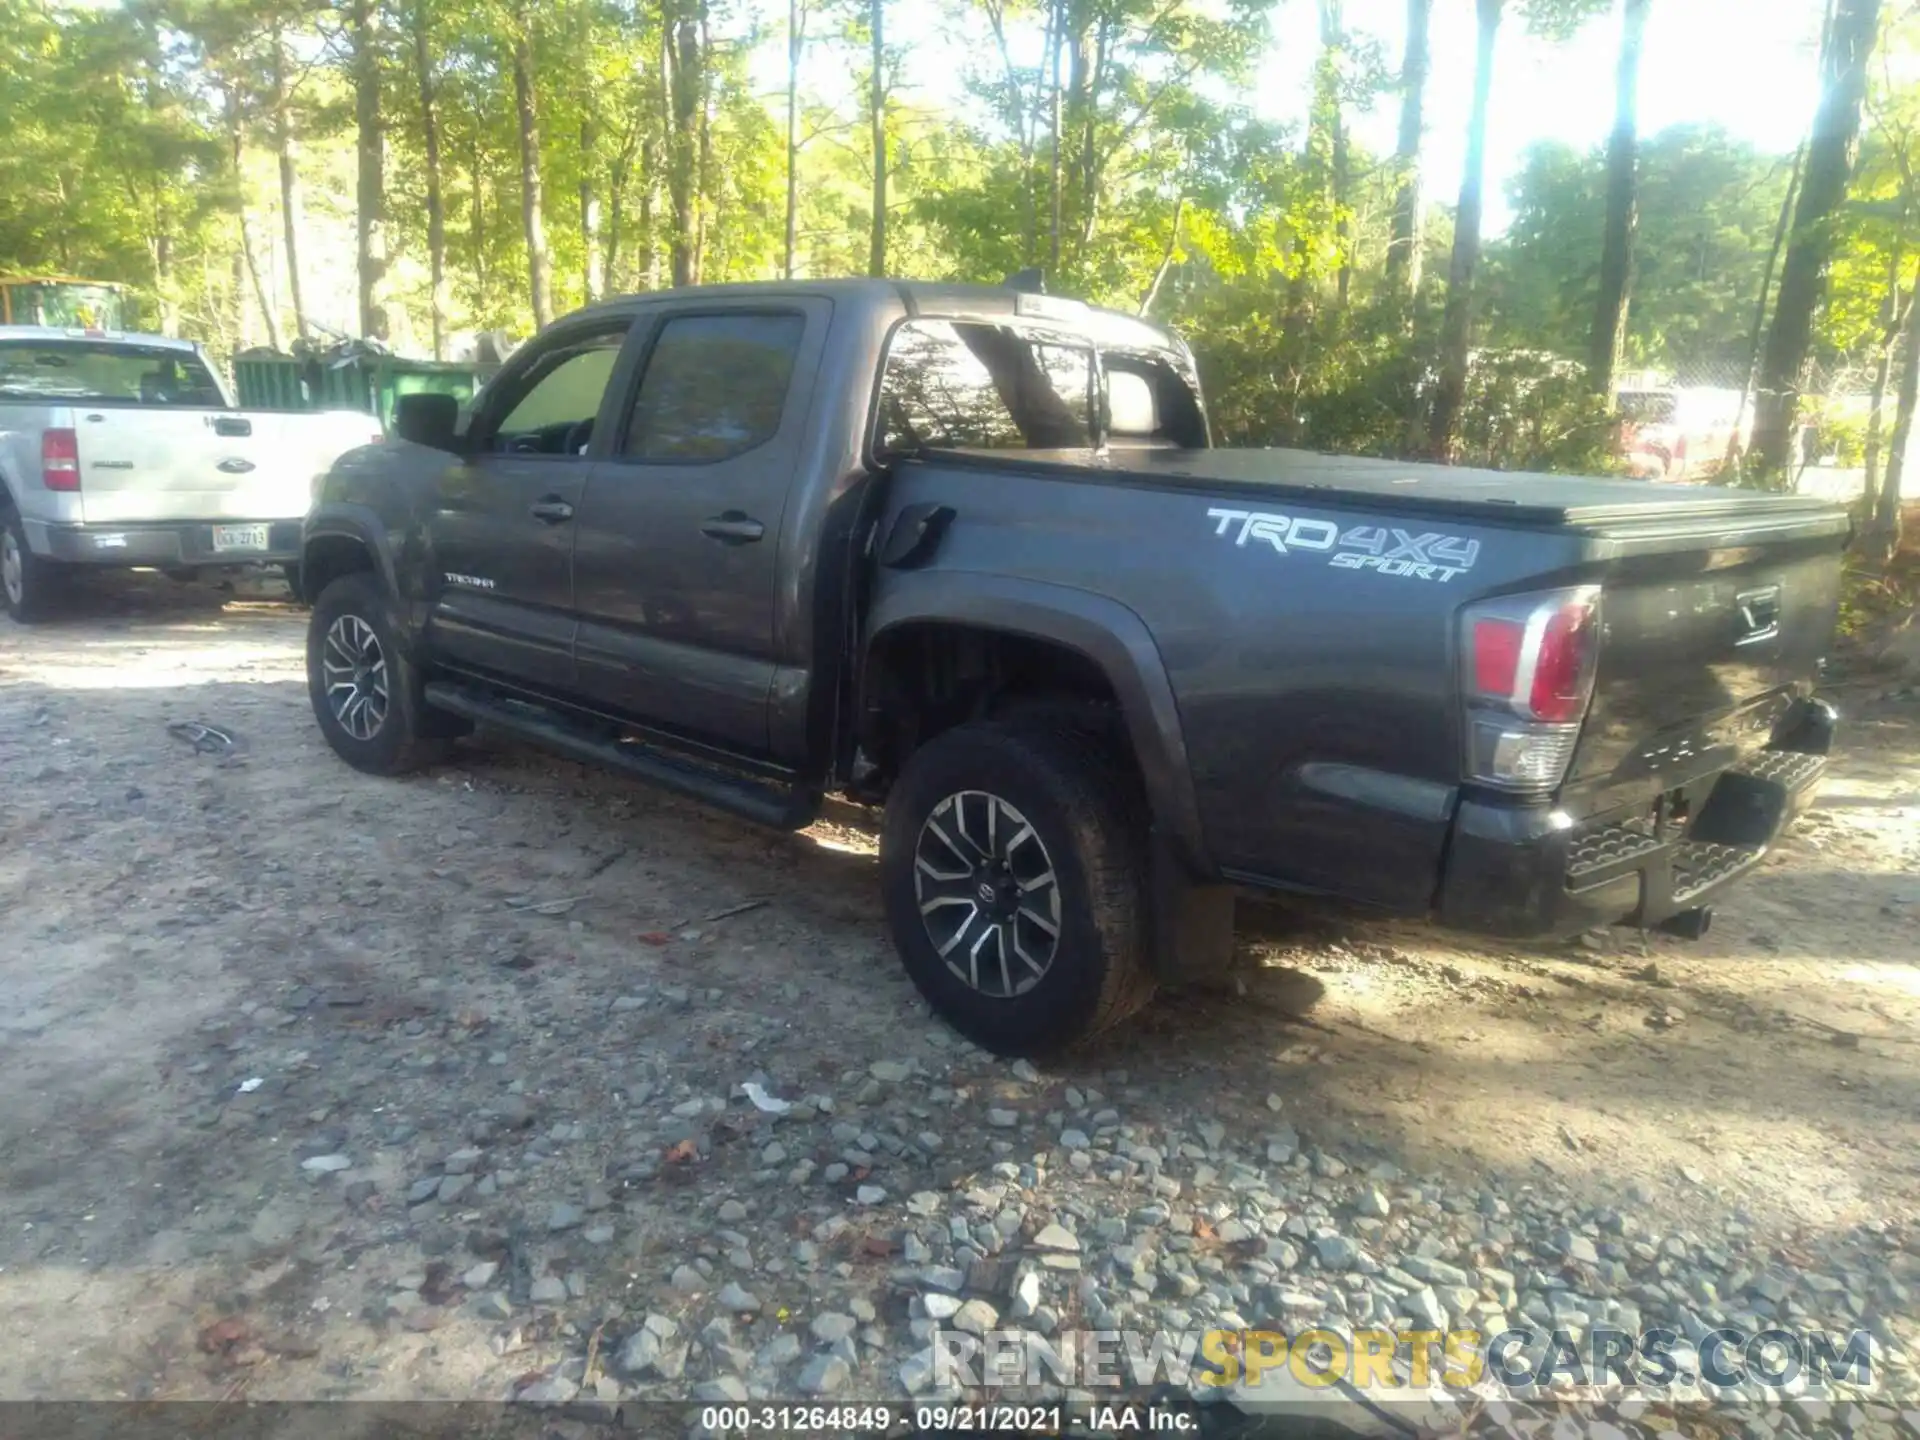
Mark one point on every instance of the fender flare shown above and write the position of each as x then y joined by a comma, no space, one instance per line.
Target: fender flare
359,523
1105,632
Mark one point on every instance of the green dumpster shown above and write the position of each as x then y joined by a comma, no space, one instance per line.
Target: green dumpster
368,383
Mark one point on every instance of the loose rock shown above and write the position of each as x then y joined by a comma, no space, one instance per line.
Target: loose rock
976,1317
824,1375
1056,1237
735,1298
831,1327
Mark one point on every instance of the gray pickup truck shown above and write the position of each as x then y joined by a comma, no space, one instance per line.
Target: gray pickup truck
966,553
126,451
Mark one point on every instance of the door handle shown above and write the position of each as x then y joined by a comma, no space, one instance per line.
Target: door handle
232,426
734,528
1759,615
552,510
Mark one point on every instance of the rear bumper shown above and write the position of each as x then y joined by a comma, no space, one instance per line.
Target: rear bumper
1533,872
167,544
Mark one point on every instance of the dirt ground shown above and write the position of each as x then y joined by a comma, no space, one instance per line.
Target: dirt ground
217,968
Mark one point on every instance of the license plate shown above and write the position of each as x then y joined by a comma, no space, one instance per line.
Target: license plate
239,537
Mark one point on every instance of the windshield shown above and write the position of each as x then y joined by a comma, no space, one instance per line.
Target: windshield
107,373
68,306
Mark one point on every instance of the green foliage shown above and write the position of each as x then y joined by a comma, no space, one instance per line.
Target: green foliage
106,161
1839,427
1708,205
1359,382
1527,410
139,137
1879,598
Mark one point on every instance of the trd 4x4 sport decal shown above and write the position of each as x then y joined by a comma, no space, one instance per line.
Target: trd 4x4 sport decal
1388,550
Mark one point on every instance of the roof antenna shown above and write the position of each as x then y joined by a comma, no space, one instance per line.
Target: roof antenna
1031,281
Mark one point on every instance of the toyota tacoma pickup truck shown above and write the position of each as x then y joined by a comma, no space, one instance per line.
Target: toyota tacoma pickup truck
967,553
126,451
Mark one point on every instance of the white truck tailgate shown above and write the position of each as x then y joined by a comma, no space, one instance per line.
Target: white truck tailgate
154,464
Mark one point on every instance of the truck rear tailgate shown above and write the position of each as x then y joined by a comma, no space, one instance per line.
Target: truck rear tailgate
1702,737
154,464
1716,615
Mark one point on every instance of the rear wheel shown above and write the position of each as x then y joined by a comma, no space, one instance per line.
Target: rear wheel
28,582
368,696
1013,862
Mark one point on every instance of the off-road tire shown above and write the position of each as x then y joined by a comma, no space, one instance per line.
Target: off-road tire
409,734
1083,801
38,580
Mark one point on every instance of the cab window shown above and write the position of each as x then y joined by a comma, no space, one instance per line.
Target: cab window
105,373
961,385
715,387
551,407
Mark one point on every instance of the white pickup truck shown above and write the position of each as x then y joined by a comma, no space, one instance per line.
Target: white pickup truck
126,451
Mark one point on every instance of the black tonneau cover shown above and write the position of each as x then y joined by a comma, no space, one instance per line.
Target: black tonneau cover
1498,497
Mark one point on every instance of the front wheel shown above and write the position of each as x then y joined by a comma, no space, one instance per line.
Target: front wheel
27,582
1013,864
367,694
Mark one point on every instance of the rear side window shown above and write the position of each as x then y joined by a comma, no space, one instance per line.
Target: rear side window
105,374
957,385
1149,403
715,387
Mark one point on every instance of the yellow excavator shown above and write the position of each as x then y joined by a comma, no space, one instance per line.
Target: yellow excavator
62,301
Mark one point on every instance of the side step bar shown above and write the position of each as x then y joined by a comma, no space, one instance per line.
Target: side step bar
783,808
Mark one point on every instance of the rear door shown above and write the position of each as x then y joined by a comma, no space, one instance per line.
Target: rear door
502,526
676,552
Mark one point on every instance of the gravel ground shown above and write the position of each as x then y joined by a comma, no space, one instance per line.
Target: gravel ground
515,1079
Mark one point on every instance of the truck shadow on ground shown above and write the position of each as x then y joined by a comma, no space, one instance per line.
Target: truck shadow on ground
149,597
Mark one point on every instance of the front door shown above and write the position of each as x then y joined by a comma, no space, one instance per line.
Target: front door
502,528
677,544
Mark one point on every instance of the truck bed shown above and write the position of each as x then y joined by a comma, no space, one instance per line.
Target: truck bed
1317,677
1497,497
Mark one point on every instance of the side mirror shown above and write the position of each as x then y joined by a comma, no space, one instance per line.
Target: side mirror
427,419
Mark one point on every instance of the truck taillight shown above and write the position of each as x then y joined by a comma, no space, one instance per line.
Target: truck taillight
60,459
1527,664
